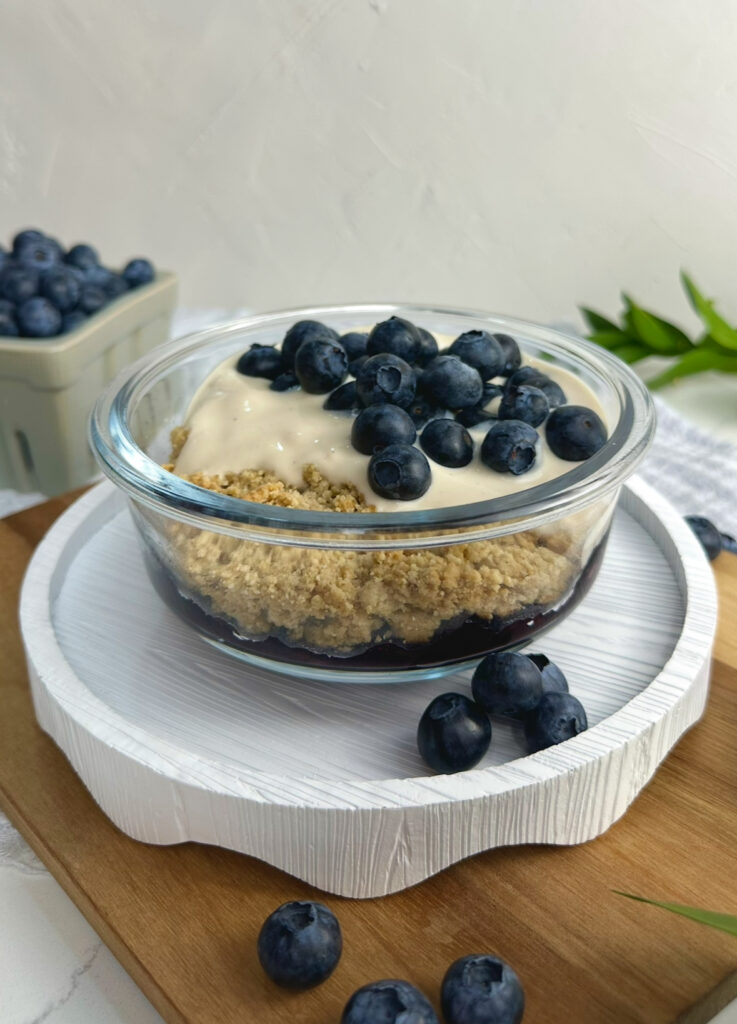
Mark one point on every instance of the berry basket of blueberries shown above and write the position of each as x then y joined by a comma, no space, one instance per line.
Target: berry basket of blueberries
68,324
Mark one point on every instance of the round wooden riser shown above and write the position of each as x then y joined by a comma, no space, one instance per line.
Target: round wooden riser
177,741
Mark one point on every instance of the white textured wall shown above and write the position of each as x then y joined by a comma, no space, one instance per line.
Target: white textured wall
521,156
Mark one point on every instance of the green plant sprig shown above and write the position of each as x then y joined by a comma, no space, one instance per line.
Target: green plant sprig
641,333
712,918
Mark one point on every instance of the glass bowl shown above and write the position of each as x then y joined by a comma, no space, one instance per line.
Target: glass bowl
370,597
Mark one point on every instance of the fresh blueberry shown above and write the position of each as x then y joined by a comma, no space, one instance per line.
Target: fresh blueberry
17,283
41,254
37,318
8,326
552,677
574,432
115,286
524,402
388,1002
355,364
61,288
138,272
260,361
399,472
97,275
354,343
427,348
320,365
28,235
92,298
284,382
386,379
378,426
451,383
558,717
72,320
480,350
482,989
394,335
708,535
82,256
510,352
299,333
423,411
510,447
344,397
299,944
447,443
454,733
507,684
529,375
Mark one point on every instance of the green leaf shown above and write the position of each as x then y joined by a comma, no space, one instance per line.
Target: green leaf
706,357
608,339
632,351
723,922
659,335
599,323
718,327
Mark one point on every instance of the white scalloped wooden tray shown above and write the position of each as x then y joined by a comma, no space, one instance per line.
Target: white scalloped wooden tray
177,741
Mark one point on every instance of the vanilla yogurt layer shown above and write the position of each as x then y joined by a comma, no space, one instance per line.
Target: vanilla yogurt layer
235,423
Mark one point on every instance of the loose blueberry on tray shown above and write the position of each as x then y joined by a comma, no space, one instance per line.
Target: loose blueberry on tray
388,1002
482,989
552,677
557,717
710,538
507,684
453,734
300,944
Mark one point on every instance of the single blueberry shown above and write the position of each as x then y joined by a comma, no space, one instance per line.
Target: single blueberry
423,411
284,382
558,717
529,375
300,332
427,348
40,254
510,447
92,298
320,365
385,379
394,335
399,472
17,283
299,944
8,326
354,343
451,383
378,426
480,350
507,684
138,272
260,361
37,318
72,320
524,402
454,733
61,288
82,256
447,443
388,1002
28,235
708,535
510,352
574,433
729,543
482,989
552,677
343,398
355,364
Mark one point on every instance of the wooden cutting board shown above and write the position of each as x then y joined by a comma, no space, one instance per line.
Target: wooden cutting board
184,920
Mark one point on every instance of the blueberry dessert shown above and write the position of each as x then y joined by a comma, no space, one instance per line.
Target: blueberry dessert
385,418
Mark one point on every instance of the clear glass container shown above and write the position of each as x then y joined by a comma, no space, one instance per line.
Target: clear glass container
370,597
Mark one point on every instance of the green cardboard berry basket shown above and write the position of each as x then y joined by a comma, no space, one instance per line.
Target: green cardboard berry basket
48,387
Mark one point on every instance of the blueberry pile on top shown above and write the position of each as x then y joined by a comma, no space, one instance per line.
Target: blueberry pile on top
405,387
46,290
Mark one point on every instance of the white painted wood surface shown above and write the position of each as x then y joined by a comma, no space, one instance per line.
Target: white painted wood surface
179,742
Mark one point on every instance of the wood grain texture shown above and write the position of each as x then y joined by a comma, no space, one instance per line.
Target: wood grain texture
184,919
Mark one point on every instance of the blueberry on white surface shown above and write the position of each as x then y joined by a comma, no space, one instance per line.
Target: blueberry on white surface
299,944
552,677
399,472
300,332
447,442
138,272
708,535
524,402
510,353
320,365
575,433
480,350
380,425
260,361
453,734
37,318
388,1002
343,398
482,989
449,382
507,684
395,335
510,447
557,717
385,378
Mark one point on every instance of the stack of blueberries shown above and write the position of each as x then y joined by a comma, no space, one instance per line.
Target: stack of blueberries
46,291
403,385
